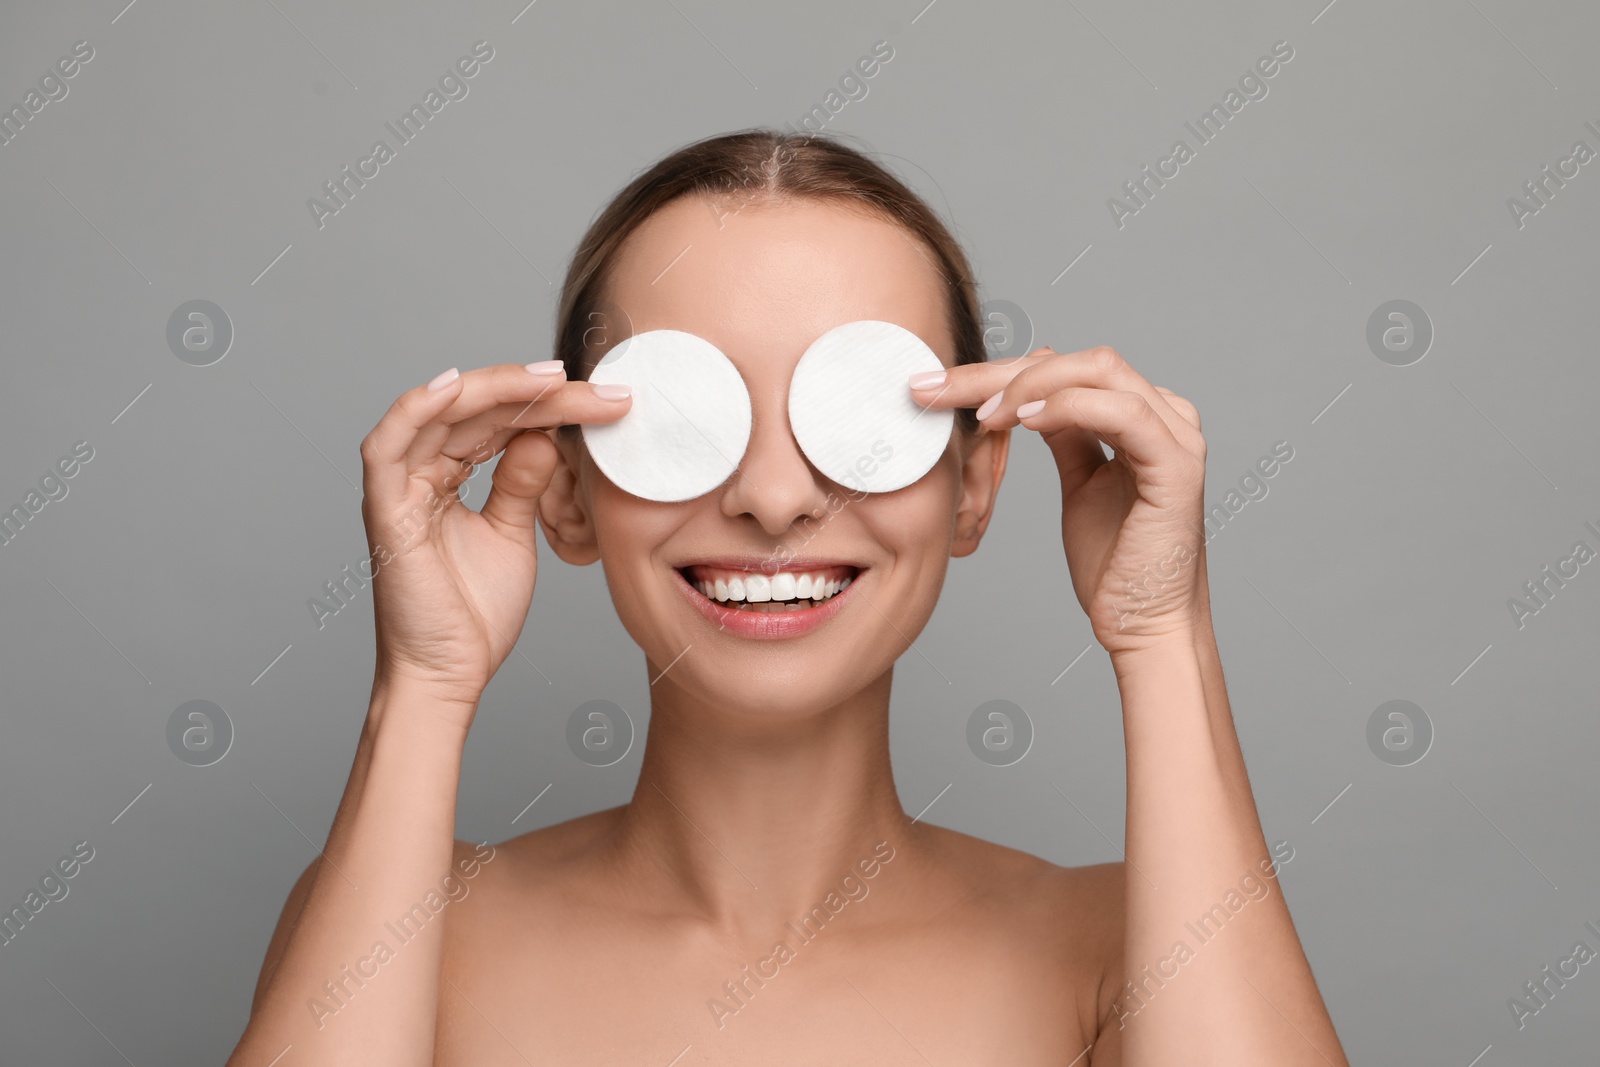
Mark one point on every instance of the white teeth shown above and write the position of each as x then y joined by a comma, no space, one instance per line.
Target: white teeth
782,587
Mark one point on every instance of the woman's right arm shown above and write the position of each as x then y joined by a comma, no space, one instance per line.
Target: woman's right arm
352,973
339,984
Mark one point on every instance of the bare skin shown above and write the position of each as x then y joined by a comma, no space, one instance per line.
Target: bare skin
766,793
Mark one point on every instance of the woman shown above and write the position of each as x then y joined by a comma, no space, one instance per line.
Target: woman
763,897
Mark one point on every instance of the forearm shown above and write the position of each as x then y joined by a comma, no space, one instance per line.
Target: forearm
357,979
1218,972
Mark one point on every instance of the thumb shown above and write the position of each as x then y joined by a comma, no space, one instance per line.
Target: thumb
520,478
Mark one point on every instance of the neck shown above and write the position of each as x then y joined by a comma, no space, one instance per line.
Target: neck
754,824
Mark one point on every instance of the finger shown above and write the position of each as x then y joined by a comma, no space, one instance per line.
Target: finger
484,389
478,439
969,384
383,450
520,479
570,403
486,433
510,399
1124,420
1183,406
1101,367
1078,455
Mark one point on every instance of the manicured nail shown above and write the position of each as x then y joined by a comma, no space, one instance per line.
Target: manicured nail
989,406
547,366
1032,407
612,391
927,379
444,379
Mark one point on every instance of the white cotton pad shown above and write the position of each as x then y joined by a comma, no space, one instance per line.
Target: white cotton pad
689,422
851,410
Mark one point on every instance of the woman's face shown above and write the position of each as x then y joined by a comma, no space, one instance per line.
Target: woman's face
761,283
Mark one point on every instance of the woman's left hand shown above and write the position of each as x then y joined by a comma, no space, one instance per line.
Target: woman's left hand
1132,525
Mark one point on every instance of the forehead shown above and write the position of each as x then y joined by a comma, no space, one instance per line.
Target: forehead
762,281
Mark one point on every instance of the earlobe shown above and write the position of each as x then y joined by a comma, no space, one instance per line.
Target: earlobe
567,524
981,473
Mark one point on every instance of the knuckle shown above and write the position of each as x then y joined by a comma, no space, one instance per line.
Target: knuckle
399,411
1134,406
1107,359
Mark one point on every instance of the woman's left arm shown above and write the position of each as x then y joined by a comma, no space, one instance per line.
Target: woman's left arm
1212,971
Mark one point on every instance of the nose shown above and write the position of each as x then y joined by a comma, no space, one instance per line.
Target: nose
775,483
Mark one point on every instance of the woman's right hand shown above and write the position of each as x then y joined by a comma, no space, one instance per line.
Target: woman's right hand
452,586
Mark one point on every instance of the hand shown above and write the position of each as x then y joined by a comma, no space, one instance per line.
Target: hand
453,585
1132,525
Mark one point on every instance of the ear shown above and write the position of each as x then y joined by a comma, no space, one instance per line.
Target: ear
981,472
563,508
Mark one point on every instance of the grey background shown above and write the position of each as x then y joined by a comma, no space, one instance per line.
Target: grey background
1378,567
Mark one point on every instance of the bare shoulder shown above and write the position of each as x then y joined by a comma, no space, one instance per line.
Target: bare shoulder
559,840
1073,916
1079,900
539,857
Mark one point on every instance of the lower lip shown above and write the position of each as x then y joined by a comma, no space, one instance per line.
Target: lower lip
766,625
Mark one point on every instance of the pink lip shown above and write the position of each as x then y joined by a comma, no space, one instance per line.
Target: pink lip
768,563
765,625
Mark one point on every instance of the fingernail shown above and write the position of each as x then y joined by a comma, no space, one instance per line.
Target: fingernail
547,366
1032,407
927,379
444,379
612,391
989,406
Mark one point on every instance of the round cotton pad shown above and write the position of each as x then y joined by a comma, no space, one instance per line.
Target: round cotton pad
689,423
851,409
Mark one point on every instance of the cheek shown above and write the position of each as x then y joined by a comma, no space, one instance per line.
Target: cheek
914,525
631,531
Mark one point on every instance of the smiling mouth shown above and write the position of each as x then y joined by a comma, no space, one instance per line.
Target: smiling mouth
790,588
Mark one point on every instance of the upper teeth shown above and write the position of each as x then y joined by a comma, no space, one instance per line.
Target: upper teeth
784,585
